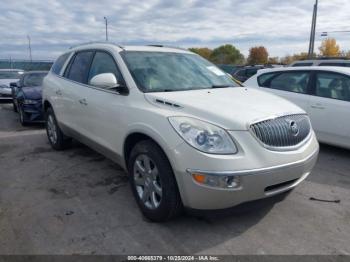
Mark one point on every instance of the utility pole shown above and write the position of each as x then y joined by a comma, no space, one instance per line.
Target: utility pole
30,48
313,31
106,22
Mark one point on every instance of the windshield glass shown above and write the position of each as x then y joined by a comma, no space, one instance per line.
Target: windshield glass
33,79
163,71
10,74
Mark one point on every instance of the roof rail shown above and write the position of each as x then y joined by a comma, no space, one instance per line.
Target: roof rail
95,42
169,46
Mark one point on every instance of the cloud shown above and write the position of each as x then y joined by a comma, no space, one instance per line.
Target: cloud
54,25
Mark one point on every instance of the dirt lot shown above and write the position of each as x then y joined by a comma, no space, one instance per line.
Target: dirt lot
78,202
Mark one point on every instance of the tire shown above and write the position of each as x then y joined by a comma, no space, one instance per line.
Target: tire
162,200
55,135
21,117
14,107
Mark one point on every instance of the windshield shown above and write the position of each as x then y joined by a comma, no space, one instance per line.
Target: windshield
33,79
163,71
10,74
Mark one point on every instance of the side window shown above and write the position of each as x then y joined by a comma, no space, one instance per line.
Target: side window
296,82
57,66
332,85
263,80
333,64
251,72
302,64
241,72
78,69
104,63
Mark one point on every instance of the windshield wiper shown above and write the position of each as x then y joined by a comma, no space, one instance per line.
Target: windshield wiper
220,86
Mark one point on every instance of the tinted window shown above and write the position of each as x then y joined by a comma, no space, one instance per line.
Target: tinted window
104,63
35,79
263,80
335,64
241,72
251,72
302,64
289,81
78,70
332,85
57,66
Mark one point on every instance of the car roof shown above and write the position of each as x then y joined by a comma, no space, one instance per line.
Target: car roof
337,69
118,48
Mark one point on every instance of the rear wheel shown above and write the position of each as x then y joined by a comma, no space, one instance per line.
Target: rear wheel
153,182
55,135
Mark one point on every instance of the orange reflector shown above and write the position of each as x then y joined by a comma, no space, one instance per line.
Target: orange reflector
199,178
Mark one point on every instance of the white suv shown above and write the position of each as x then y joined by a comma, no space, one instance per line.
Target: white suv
184,131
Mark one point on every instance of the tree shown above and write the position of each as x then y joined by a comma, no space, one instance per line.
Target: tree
202,51
258,55
226,54
273,60
329,47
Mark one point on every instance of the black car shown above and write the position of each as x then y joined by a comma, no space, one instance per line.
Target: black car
246,72
27,97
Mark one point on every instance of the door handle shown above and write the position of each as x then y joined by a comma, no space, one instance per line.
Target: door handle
318,106
83,101
58,92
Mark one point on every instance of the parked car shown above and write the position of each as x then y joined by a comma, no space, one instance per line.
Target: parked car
323,92
230,69
187,135
322,62
246,72
27,97
6,77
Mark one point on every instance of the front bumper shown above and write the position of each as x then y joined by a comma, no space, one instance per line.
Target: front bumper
262,173
33,112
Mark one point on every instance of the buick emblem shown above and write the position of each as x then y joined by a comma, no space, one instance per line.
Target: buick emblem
293,127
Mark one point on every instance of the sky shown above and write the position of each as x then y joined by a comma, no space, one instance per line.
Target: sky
282,26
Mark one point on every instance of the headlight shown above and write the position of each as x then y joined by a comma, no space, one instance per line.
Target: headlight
203,136
29,102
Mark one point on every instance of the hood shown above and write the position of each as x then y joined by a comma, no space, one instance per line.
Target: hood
230,108
34,92
7,82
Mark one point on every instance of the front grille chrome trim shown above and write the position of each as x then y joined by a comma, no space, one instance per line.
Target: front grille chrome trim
274,133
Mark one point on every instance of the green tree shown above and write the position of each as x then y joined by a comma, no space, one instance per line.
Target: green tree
258,55
226,54
202,51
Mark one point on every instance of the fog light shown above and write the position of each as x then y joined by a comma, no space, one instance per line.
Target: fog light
215,180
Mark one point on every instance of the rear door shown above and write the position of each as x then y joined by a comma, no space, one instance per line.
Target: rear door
293,85
74,88
330,108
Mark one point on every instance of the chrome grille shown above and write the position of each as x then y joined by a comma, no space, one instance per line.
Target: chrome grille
282,132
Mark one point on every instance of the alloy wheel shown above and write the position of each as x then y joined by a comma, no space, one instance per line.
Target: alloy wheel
147,181
51,129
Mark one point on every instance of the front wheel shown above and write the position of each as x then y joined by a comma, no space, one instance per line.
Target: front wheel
22,117
153,182
55,135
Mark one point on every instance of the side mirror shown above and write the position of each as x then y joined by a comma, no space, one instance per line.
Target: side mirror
105,80
13,84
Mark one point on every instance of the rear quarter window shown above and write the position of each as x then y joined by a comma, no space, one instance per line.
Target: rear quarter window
60,61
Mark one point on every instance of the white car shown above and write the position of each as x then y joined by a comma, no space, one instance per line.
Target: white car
8,76
323,92
184,131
